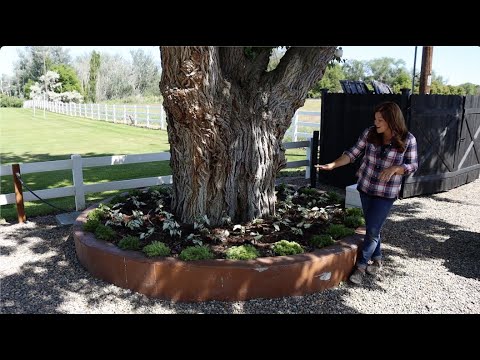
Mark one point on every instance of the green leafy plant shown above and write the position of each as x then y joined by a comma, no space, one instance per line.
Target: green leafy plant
338,231
242,252
354,221
284,247
354,212
129,243
96,214
156,248
196,253
321,241
335,197
91,225
104,232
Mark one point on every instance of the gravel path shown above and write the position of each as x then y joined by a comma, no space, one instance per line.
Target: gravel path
432,265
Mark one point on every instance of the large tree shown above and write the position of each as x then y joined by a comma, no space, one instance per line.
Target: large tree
227,116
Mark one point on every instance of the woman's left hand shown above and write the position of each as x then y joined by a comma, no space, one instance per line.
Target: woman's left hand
387,173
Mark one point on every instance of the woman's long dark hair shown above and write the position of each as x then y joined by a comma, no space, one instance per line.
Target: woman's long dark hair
392,114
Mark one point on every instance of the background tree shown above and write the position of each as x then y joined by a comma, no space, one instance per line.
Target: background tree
146,73
67,77
330,81
81,64
226,120
91,94
115,78
34,61
355,69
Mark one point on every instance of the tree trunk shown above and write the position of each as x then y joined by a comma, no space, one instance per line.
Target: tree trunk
226,120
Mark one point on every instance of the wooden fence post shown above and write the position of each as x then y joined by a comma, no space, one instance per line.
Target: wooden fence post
18,194
77,173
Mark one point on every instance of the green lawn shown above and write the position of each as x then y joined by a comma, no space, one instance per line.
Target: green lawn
26,138
311,105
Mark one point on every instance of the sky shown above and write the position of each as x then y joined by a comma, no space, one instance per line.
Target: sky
456,64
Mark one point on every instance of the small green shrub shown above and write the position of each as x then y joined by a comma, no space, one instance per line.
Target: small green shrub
104,232
334,197
338,231
354,212
96,214
196,253
284,247
242,252
129,243
10,101
354,221
91,225
321,241
156,248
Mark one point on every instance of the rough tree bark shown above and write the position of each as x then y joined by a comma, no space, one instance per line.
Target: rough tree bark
226,119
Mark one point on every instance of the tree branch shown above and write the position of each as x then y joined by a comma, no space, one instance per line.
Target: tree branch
232,62
299,69
259,64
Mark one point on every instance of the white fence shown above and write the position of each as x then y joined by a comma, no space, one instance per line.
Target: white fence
76,163
153,116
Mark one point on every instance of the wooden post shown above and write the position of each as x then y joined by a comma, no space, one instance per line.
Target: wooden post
426,71
18,194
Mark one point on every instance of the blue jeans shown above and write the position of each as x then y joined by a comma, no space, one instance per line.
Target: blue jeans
375,211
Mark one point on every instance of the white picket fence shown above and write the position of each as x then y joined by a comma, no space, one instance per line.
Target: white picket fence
153,116
76,163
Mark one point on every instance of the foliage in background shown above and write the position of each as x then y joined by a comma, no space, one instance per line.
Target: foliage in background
386,70
10,101
92,77
35,61
146,74
124,81
68,78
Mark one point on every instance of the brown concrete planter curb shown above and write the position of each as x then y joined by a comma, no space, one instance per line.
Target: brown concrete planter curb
219,279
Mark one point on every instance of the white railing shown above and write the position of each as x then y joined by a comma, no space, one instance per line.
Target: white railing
303,115
153,116
76,163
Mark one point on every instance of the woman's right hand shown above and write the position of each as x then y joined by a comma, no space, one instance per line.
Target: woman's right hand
329,166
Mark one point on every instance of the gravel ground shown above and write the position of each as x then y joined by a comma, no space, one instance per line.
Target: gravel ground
432,265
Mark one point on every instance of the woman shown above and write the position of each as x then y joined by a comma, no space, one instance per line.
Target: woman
390,153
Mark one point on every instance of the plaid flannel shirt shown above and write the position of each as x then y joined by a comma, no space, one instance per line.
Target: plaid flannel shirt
378,158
